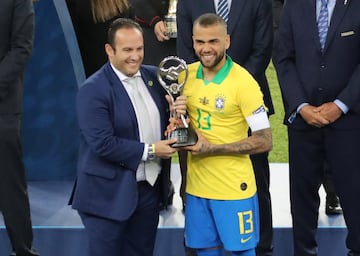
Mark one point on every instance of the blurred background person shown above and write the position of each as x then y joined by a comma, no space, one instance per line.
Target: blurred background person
319,74
17,33
91,20
332,202
277,8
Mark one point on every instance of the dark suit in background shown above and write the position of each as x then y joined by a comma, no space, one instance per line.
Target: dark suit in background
251,33
277,9
16,30
324,134
148,13
332,205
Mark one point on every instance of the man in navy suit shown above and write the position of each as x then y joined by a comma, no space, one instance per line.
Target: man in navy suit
116,195
320,84
250,28
17,32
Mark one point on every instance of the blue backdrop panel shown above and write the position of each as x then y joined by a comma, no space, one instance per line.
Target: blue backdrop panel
49,130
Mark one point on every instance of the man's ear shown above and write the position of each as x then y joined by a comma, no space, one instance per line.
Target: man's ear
227,41
109,50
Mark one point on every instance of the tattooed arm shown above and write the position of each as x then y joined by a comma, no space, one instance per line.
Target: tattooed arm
259,141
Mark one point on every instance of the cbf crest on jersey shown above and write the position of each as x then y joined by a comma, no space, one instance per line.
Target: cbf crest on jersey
220,102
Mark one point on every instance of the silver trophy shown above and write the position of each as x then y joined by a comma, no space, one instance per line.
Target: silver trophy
168,75
170,20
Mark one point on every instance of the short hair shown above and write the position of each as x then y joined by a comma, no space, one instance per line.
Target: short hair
119,24
210,19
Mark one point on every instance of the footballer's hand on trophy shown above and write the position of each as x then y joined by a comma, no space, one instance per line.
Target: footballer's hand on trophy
202,146
175,123
178,105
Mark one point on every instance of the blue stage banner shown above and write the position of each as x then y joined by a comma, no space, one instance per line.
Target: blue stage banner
49,127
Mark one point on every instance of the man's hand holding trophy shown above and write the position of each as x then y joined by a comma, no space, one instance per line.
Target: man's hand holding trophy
168,75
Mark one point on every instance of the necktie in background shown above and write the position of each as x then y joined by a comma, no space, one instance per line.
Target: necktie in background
323,22
223,9
151,167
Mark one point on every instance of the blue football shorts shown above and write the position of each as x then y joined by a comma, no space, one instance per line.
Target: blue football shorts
233,224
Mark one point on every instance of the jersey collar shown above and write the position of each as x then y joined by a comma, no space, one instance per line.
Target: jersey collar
220,75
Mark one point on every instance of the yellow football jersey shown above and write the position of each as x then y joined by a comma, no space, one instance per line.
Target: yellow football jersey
218,109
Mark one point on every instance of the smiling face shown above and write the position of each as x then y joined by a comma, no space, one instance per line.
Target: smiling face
127,53
210,45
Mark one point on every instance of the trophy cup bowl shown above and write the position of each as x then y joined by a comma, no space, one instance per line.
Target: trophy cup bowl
168,73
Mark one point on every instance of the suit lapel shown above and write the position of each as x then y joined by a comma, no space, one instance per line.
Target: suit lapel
236,9
310,10
338,14
211,6
120,94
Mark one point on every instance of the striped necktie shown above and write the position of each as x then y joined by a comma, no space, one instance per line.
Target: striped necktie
223,9
323,22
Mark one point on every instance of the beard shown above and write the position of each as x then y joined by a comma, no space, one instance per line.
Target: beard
213,64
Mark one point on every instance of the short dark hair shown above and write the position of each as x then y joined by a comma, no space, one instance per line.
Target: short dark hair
209,19
119,24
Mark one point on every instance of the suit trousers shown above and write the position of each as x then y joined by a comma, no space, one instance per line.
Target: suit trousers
14,202
262,174
308,151
132,237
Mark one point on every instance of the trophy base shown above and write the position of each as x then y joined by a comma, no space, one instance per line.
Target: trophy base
185,137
